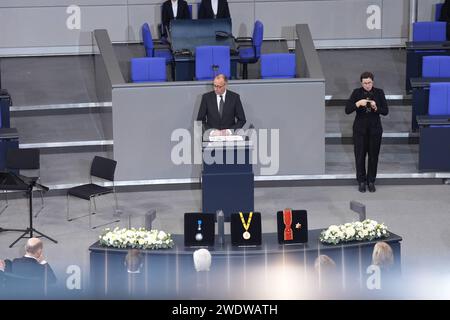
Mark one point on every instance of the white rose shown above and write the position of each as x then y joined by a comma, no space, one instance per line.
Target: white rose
333,228
161,235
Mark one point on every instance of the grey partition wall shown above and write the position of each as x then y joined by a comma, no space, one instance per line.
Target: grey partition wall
149,120
64,26
146,117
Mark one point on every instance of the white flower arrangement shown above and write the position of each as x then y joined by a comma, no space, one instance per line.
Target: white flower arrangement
136,238
359,231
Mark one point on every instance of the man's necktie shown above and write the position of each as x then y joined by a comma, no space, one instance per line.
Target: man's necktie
221,106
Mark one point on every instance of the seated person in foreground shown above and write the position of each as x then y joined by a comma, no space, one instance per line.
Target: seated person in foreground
221,109
33,264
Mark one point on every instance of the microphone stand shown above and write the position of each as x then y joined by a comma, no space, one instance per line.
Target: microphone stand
31,183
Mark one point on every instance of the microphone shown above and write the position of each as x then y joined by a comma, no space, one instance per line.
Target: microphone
220,227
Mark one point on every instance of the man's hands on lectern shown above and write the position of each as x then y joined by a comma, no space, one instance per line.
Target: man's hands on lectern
224,132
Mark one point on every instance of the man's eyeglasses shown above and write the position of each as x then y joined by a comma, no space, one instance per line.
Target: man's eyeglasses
218,86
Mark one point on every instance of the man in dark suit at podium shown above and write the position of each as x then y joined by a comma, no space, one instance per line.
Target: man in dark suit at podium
221,109
32,264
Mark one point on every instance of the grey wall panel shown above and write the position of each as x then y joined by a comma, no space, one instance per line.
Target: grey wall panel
146,2
145,117
395,22
243,19
138,14
58,3
46,26
426,9
326,19
33,26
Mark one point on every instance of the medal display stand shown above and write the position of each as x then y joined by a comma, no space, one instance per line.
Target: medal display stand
246,229
199,229
292,226
227,177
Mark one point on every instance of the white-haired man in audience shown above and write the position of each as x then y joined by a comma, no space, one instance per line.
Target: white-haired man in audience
202,260
33,264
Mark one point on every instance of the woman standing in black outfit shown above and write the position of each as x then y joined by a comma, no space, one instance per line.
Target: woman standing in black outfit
368,102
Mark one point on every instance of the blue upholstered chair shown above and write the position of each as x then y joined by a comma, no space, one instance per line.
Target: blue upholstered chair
436,67
429,31
278,65
437,13
160,51
148,70
211,61
250,48
439,101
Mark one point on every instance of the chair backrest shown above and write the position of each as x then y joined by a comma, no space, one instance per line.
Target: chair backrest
278,65
429,31
147,39
148,69
438,9
211,61
439,100
103,168
258,34
26,159
436,66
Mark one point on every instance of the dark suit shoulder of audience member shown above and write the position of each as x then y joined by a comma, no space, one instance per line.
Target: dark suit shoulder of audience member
30,267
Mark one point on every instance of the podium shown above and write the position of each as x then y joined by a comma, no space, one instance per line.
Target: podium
227,177
9,139
5,103
12,181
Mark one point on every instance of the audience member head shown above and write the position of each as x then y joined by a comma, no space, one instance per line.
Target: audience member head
324,264
133,261
220,84
382,255
2,265
202,260
34,247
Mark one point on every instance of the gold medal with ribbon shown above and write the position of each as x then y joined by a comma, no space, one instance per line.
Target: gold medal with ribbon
246,235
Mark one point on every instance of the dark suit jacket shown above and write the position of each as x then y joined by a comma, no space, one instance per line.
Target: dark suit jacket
233,114
445,16
167,13
367,122
206,11
29,267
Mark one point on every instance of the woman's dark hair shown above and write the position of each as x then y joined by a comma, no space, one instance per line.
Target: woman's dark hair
365,75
